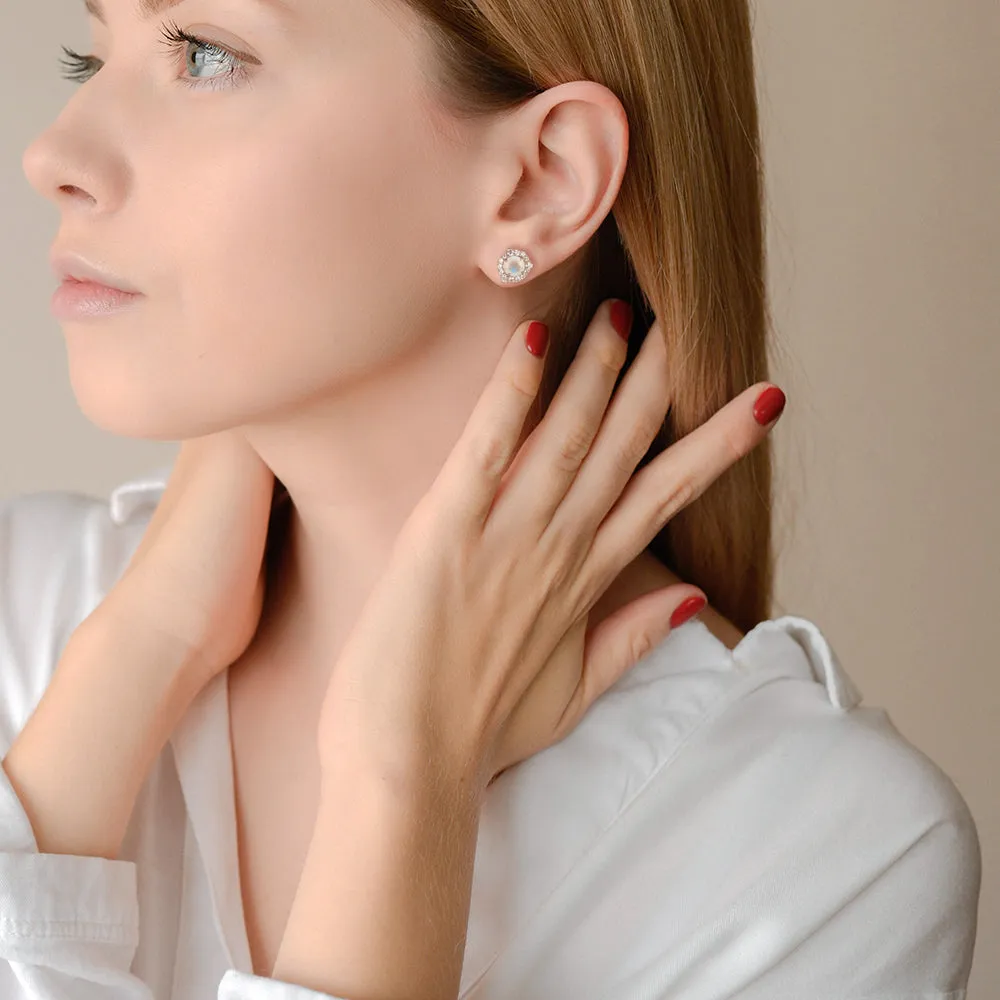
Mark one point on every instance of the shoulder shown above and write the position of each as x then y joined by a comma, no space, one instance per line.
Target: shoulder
809,818
809,714
799,733
60,553
876,849
737,818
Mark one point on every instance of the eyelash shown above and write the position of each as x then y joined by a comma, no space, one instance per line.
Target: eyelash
81,68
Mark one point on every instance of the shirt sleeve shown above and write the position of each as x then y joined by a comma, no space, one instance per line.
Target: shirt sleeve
881,905
851,869
906,930
69,925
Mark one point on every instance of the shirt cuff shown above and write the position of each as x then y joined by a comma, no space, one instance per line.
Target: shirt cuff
237,985
49,898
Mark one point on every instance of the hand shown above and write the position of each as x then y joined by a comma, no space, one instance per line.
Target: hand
472,651
197,576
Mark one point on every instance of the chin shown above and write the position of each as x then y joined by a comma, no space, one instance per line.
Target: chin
128,415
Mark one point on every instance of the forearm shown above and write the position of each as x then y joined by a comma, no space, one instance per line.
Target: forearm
382,906
79,762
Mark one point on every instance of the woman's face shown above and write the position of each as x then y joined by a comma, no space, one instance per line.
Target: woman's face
291,229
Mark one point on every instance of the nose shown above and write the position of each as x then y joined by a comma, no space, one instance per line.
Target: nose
60,173
71,165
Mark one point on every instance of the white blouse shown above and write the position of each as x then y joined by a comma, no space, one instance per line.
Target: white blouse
719,825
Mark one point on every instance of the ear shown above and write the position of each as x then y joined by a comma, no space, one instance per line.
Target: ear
553,173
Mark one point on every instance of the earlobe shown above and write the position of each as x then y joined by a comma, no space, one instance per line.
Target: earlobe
514,265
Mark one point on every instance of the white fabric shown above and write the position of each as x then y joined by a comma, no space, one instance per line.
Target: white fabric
720,825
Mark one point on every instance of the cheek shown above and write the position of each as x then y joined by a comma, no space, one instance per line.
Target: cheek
292,263
320,246
327,222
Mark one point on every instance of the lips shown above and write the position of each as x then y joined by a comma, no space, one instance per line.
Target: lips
70,266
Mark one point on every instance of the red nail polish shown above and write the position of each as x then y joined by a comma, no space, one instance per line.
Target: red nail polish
769,405
687,609
621,318
537,338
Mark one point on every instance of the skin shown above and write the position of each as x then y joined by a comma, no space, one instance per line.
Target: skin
317,249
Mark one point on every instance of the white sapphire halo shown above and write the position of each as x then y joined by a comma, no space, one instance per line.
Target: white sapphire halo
514,265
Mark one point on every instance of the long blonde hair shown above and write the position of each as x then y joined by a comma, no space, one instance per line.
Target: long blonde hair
684,241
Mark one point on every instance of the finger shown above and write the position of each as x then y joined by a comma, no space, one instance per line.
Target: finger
633,421
469,478
620,640
559,445
676,478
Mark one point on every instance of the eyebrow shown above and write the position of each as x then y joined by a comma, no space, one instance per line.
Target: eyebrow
149,9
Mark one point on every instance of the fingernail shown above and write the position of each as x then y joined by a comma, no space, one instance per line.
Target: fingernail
769,405
621,318
537,338
687,609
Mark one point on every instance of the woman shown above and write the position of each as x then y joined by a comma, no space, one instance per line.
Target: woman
327,220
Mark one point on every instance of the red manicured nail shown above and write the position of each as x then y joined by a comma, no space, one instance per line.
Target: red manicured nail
769,405
537,338
621,318
687,609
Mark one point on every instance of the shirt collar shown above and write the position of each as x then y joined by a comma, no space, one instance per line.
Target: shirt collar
134,494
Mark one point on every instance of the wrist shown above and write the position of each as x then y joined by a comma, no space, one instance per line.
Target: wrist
400,759
123,625
426,778
117,653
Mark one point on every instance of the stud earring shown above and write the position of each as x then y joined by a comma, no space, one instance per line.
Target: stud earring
514,266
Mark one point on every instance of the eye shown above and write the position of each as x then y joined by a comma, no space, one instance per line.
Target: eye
178,41
81,68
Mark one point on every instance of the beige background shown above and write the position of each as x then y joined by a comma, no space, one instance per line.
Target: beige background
882,145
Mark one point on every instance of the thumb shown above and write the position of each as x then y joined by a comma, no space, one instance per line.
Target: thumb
618,642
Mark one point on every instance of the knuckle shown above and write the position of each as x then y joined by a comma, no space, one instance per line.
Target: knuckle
639,645
610,356
624,458
680,493
574,444
488,454
638,436
626,454
645,428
